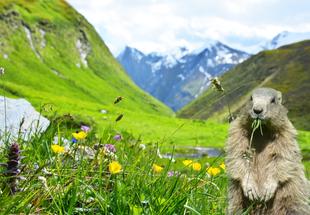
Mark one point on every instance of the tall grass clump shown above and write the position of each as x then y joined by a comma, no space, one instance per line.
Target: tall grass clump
78,172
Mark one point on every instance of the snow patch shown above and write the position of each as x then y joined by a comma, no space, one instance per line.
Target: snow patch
136,54
181,77
205,82
210,63
156,66
29,37
224,56
169,61
83,49
43,42
207,45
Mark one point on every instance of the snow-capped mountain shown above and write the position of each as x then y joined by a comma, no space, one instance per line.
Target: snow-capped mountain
182,75
285,38
281,39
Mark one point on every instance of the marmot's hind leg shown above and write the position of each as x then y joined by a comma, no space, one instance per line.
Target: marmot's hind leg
235,198
287,206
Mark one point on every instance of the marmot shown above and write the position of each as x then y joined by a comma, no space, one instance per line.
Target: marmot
266,177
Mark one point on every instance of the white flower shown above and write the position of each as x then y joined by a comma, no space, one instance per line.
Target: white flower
1,71
44,181
142,146
158,153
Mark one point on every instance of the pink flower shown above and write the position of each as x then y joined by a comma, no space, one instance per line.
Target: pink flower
173,173
85,128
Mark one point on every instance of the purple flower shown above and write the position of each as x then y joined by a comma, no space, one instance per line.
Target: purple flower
13,165
110,148
173,173
170,173
117,137
85,128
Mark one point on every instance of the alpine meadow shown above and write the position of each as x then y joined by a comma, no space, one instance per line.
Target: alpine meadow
110,147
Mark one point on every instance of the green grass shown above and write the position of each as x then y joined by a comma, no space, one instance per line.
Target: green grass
79,181
81,185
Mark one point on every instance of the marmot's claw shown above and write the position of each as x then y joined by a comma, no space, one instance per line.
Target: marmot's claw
250,191
269,190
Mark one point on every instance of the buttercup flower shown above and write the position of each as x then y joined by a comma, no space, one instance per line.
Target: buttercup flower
157,168
58,148
187,162
115,167
213,171
196,166
222,165
79,135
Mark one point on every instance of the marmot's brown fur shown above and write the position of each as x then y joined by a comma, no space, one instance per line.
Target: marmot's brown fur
269,178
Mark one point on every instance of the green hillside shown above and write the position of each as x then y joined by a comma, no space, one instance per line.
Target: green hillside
40,54
286,69
47,67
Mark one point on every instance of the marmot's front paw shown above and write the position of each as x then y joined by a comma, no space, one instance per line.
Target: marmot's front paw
268,190
250,190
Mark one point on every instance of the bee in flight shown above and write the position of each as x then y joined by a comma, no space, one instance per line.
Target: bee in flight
118,99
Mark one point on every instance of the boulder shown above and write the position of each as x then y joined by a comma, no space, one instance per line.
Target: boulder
19,114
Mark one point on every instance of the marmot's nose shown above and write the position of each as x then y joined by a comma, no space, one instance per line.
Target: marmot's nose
257,110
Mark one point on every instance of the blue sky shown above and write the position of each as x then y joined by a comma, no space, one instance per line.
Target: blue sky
163,25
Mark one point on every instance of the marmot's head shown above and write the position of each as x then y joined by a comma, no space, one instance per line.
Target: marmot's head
266,104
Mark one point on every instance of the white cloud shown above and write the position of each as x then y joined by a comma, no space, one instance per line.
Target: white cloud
161,25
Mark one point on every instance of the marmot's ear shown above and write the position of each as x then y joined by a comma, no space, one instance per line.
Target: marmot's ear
279,97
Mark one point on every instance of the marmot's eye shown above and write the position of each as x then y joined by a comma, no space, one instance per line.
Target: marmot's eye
251,99
273,100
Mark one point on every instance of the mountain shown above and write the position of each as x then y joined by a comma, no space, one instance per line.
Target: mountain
51,54
286,69
281,39
182,75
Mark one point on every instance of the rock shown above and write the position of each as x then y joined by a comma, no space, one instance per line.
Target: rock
103,111
17,111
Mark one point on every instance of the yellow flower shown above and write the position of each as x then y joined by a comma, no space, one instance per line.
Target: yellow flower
58,148
213,171
223,166
187,162
157,168
196,166
79,135
115,167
